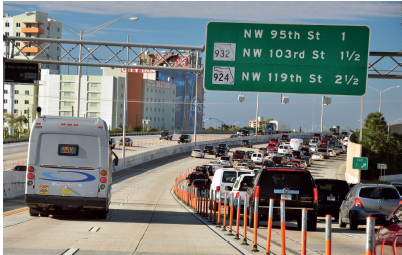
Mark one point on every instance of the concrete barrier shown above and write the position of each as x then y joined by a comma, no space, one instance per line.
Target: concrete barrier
354,150
14,181
391,178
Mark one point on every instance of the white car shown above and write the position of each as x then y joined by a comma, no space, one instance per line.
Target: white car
226,161
332,153
243,182
258,158
315,142
197,153
242,166
284,149
345,141
317,156
313,148
216,164
225,178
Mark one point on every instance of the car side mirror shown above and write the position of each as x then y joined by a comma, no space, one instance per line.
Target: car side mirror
110,142
116,161
228,188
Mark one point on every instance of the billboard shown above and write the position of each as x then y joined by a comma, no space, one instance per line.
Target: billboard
21,72
185,98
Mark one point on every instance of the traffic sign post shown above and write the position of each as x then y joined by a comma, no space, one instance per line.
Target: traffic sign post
287,58
360,163
382,166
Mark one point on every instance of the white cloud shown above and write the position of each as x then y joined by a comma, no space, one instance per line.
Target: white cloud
236,11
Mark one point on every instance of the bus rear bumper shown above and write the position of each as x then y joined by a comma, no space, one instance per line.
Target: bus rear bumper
43,201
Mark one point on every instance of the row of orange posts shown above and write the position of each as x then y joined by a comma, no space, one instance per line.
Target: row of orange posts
203,201
18,163
167,141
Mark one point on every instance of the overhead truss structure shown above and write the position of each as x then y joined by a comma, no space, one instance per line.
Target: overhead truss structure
114,51
384,64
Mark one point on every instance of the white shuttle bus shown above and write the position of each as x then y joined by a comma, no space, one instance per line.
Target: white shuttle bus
69,166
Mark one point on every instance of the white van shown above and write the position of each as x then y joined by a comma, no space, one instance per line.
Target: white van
296,144
69,166
225,178
258,158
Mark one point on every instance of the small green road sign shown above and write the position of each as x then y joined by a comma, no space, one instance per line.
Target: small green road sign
360,163
287,58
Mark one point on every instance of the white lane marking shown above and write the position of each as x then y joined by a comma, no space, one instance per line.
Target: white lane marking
350,235
121,204
94,229
70,251
125,201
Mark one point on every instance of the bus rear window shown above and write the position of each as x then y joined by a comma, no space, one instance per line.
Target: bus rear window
68,150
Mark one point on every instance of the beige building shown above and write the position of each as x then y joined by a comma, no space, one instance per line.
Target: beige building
261,123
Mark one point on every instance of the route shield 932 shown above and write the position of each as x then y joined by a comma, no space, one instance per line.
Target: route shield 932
287,58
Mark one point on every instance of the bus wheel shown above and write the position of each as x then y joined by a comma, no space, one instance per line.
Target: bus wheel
33,212
102,214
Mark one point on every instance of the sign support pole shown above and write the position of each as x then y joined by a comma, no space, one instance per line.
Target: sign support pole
196,100
361,120
322,112
125,109
256,118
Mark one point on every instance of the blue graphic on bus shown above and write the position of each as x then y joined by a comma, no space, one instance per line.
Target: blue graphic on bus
59,179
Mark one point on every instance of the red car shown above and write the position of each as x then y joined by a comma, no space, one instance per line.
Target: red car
276,141
272,146
297,162
388,238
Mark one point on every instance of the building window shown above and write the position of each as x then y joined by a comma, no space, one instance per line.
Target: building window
26,92
26,101
154,118
172,110
25,111
173,92
18,24
17,44
159,100
121,105
121,115
150,108
93,114
121,95
163,119
94,85
7,24
94,95
94,104
7,33
147,89
5,91
48,29
58,29
146,109
67,103
67,94
122,86
5,110
159,109
16,92
158,119
66,113
152,90
160,91
147,99
28,25
16,101
163,92
25,131
5,101
28,35
18,34
15,111
57,48
67,84
151,99
163,109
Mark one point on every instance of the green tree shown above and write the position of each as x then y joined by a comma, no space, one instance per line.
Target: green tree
375,121
225,127
268,120
300,130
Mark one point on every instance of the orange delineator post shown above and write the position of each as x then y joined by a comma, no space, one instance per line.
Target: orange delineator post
245,221
219,209
283,227
224,212
238,215
370,236
328,230
269,228
304,232
210,206
256,205
231,214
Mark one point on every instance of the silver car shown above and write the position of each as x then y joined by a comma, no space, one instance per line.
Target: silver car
365,200
197,153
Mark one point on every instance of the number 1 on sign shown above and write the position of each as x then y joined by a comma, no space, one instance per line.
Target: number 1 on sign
343,36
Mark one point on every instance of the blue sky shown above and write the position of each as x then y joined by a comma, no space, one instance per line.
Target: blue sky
184,23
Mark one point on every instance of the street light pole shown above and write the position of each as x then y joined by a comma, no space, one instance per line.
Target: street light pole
385,90
256,124
305,127
79,78
322,112
196,99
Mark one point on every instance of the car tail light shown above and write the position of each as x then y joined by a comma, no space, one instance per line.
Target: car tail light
188,181
315,195
194,187
103,179
103,172
358,202
257,192
30,176
31,169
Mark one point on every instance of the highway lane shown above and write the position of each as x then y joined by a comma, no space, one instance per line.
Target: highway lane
16,153
144,217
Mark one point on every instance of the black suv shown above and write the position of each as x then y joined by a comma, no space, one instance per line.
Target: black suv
166,135
277,161
220,153
223,146
295,186
195,176
297,154
246,143
210,149
285,138
331,193
184,139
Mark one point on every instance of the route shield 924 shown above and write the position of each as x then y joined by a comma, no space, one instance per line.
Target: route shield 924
287,58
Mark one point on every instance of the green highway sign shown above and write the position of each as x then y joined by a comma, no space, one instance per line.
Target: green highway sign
287,58
360,163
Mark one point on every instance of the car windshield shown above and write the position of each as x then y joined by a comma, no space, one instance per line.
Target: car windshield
280,179
164,133
229,176
379,192
240,152
274,140
214,162
225,158
197,150
296,153
208,147
222,145
335,187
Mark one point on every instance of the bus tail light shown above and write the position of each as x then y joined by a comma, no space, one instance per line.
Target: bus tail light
30,176
31,169
100,127
63,124
103,179
103,172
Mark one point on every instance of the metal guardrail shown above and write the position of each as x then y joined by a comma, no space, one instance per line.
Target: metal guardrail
16,140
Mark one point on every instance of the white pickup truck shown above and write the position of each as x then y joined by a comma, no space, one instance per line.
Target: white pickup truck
284,149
